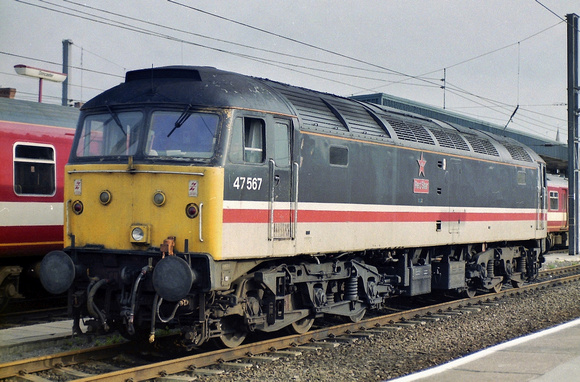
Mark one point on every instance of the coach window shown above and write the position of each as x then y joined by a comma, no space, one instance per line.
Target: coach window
554,200
247,144
34,170
339,155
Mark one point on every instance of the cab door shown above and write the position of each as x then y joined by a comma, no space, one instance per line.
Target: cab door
279,138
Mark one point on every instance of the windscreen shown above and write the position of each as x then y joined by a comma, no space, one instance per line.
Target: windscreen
178,134
110,134
171,134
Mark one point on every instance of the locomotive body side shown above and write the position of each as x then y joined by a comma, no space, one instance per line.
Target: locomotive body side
374,200
223,204
354,188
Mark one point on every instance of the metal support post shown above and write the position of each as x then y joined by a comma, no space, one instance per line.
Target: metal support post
66,59
573,144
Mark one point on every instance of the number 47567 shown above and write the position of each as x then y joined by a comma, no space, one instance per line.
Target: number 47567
247,182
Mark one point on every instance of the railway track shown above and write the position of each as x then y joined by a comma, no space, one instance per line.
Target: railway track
32,317
103,363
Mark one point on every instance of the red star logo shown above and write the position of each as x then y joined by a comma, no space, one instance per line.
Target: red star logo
422,163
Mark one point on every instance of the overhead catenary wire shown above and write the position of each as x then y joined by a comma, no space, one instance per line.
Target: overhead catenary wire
124,25
298,68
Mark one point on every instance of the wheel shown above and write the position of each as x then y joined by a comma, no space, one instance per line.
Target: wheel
4,302
470,292
359,316
233,332
301,326
471,288
7,292
304,324
517,283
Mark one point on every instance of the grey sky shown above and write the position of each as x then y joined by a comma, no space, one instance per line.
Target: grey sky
488,72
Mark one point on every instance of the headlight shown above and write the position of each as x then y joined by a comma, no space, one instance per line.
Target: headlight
140,233
137,234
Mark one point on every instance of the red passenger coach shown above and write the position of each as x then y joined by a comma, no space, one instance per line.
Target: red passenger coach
35,141
557,211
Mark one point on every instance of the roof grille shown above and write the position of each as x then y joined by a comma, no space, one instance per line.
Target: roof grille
409,131
450,139
482,146
518,153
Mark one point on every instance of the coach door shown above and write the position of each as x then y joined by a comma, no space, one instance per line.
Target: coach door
281,180
541,208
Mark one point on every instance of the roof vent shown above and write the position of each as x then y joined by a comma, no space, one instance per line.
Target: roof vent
163,73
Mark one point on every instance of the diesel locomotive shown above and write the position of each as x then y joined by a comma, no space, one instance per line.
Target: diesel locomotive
222,204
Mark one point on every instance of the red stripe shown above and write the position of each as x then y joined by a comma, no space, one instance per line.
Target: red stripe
31,234
319,216
30,240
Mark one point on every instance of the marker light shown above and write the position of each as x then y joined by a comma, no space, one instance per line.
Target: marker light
159,198
191,210
77,207
105,197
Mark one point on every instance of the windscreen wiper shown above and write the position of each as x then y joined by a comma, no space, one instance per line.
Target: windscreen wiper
116,119
181,120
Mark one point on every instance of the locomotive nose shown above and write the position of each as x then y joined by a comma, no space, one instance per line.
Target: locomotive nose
57,272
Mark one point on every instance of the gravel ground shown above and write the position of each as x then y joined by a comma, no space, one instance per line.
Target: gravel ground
394,354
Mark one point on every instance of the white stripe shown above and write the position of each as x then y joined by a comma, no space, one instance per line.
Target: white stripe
556,216
245,205
30,214
340,207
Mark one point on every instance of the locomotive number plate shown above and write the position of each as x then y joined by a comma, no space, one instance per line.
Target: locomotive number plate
247,182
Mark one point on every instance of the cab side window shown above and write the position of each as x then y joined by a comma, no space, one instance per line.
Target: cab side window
247,144
281,133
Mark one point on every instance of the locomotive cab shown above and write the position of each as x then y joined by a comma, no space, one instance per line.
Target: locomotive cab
145,204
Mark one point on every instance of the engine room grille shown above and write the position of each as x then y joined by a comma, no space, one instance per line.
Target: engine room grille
518,153
482,146
449,139
409,131
311,108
